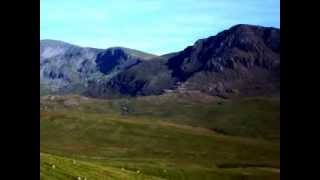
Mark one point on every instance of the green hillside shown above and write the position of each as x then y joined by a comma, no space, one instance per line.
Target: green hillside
55,167
159,137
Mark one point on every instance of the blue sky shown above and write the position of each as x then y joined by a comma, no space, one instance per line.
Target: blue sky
155,26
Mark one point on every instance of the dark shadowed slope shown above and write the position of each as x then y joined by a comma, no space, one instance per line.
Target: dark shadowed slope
244,59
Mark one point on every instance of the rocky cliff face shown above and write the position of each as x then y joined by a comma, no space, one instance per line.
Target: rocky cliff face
69,68
239,48
243,59
63,65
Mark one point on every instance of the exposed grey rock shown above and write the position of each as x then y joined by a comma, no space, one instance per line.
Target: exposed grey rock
63,65
68,68
71,102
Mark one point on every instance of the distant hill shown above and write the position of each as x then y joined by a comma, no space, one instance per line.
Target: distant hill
66,68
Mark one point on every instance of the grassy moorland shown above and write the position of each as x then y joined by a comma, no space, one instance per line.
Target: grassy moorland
161,137
55,167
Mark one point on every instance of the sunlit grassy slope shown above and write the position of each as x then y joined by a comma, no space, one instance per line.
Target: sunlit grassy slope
55,167
160,137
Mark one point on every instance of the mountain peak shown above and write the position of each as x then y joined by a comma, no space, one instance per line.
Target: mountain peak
249,27
132,52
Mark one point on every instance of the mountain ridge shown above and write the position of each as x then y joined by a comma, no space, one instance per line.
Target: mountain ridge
244,59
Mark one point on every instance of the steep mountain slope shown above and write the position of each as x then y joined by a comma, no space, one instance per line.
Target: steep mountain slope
146,78
68,68
63,65
244,60
119,59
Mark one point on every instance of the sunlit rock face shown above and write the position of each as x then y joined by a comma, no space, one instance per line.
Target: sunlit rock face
66,67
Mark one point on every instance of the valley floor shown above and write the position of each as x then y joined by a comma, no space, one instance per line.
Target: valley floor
160,137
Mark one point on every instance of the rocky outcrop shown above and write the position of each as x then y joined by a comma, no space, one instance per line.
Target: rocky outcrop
68,68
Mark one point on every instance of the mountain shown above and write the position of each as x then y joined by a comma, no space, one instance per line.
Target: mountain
68,68
243,60
210,111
